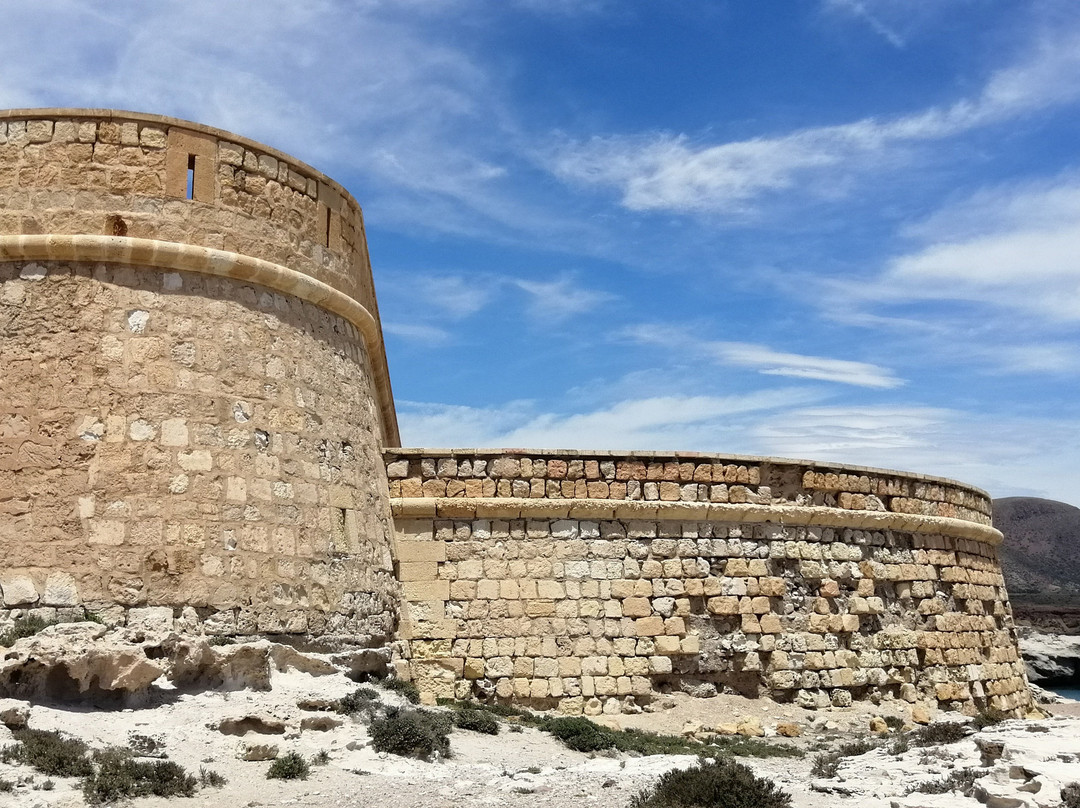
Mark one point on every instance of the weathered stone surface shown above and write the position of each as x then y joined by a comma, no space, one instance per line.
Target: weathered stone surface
320,723
286,658
14,714
196,665
75,661
18,590
259,723
246,750
173,438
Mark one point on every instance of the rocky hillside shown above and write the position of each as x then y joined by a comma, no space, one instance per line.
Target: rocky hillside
1041,555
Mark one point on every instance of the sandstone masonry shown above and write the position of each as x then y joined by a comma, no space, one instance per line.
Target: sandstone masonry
197,433
193,396
593,582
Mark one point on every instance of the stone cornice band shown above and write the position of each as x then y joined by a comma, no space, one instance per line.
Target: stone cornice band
168,255
599,509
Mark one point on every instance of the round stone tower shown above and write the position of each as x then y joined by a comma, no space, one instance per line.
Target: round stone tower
194,396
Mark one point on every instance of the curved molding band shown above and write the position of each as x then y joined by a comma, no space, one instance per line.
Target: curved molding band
792,515
170,255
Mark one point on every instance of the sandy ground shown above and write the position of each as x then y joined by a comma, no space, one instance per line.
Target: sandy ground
529,769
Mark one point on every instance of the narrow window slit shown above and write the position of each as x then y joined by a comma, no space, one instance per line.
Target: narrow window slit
326,242
191,176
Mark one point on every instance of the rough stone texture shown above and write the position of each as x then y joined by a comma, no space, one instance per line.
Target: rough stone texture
573,612
249,199
684,477
183,450
75,661
223,456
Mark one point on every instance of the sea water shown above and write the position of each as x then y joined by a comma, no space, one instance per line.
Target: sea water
1067,692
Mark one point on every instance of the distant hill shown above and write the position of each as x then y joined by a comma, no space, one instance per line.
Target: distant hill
1041,553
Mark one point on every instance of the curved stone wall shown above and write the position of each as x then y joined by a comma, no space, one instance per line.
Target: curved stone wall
194,399
147,177
581,581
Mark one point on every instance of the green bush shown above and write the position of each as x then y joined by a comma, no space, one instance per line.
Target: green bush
411,733
24,627
1070,796
49,752
290,766
738,746
938,734
476,721
118,776
826,765
6,786
856,748
208,778
408,690
580,734
989,717
894,722
961,780
712,784
363,700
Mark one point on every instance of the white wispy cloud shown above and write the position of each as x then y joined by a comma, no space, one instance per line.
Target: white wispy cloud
369,88
673,172
766,360
561,298
1003,454
659,422
1006,455
422,333
862,10
1015,247
456,295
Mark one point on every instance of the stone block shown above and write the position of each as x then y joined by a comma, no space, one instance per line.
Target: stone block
18,590
420,551
649,626
60,590
418,571
426,590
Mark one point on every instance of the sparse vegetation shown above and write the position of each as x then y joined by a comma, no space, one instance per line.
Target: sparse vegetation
290,766
477,721
411,733
738,746
49,752
989,717
900,745
712,784
6,786
119,776
320,758
894,722
962,780
1070,796
827,765
361,701
583,735
939,734
408,690
208,778
24,627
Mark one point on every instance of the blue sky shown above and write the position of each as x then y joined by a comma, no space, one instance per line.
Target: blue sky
840,229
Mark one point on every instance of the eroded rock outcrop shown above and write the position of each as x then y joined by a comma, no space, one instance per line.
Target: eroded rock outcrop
76,661
1050,657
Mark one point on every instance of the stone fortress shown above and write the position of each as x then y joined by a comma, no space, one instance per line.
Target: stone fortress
197,428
